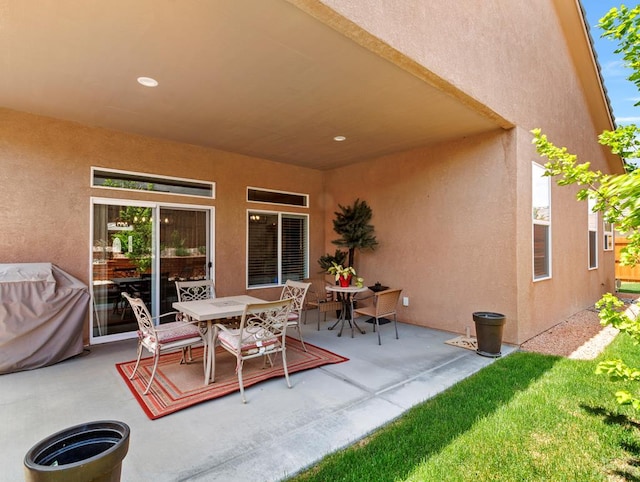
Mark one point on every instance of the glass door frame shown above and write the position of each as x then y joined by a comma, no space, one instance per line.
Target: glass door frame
155,258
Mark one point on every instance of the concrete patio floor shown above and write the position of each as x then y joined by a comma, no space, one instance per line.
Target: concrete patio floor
279,431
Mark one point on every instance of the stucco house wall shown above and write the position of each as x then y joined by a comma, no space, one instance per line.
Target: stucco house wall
518,62
453,218
445,218
46,192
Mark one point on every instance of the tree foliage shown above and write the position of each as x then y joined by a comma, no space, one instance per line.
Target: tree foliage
623,26
352,223
327,260
139,218
616,196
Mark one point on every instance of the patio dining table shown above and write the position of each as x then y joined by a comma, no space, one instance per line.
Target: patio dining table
206,311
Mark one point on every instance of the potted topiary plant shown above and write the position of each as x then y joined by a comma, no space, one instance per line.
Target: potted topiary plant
352,223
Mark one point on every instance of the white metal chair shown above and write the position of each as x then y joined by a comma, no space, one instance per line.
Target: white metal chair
195,290
297,290
322,300
262,332
384,304
162,338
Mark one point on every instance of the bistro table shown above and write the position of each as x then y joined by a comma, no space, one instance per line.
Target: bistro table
346,294
205,311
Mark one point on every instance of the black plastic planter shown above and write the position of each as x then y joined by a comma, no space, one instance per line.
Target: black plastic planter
489,333
91,452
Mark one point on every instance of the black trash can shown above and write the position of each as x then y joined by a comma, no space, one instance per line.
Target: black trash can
91,452
489,333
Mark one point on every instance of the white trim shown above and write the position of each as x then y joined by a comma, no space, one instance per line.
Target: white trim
541,222
608,237
155,206
279,214
590,204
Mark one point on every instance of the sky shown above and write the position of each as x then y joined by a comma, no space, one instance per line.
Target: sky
622,92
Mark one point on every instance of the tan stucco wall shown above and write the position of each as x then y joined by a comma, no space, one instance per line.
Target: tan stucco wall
445,219
45,178
454,226
573,286
517,62
453,219
503,53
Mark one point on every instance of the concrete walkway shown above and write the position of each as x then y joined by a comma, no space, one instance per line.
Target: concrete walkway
278,433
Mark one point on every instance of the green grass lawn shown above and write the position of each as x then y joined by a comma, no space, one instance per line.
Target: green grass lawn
527,417
629,287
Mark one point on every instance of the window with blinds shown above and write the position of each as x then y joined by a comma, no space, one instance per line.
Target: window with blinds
593,234
541,218
277,248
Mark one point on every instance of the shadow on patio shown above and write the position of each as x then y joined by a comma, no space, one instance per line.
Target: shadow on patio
277,433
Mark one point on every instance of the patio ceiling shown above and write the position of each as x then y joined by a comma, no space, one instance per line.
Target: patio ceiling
262,78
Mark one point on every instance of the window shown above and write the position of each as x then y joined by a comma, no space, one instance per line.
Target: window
113,179
607,240
592,223
277,197
541,217
277,248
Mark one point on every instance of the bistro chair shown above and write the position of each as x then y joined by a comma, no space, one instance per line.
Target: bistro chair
195,290
162,338
384,304
262,332
321,299
296,290
191,291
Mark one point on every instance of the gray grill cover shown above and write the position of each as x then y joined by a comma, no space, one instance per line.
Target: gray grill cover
42,311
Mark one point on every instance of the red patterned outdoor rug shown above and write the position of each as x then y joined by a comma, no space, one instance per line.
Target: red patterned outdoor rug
177,386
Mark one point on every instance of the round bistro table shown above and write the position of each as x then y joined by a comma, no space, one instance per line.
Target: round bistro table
346,294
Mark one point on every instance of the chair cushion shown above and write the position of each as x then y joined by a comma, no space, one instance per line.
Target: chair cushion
293,316
260,341
175,331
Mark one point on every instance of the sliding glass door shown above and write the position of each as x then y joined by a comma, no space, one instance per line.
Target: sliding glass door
142,249
184,252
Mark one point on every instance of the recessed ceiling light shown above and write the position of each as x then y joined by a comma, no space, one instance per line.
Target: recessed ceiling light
147,81
339,138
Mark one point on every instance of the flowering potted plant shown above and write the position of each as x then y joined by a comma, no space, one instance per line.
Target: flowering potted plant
343,275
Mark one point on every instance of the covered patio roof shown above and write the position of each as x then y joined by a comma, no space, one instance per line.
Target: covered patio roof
269,79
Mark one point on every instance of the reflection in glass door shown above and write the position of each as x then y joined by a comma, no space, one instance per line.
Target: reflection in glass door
142,249
184,237
122,263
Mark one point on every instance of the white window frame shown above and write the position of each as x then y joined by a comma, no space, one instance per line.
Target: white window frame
280,215
155,206
170,179
592,235
608,236
543,182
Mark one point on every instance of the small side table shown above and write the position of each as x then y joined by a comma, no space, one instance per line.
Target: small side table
346,295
